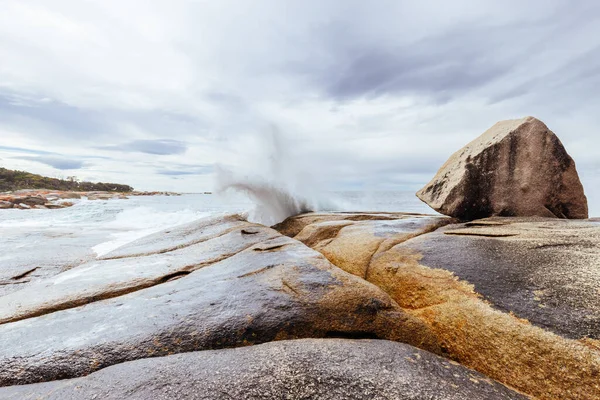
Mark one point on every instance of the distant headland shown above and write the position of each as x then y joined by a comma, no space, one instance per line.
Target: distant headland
11,180
24,190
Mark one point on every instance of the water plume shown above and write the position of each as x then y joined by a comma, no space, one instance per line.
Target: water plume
276,179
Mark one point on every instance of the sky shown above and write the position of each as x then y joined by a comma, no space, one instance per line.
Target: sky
368,95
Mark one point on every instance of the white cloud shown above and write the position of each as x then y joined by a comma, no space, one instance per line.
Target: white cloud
374,94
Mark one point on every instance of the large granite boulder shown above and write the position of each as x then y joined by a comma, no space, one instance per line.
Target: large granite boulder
515,299
215,283
516,168
297,369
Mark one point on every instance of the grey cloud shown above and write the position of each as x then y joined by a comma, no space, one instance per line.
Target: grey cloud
576,78
161,122
459,59
440,73
180,170
229,100
512,93
41,115
440,66
157,147
343,170
23,150
175,173
50,155
56,162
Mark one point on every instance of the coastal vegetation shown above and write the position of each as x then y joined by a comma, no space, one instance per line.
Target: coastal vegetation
11,180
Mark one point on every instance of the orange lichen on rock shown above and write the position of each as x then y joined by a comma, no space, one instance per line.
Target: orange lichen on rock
467,328
498,344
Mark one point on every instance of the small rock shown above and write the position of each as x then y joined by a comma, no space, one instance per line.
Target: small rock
53,206
5,204
70,195
30,200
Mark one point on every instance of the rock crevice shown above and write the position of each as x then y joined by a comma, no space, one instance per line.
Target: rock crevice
419,274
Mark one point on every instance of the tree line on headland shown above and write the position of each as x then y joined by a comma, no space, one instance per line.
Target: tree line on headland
11,180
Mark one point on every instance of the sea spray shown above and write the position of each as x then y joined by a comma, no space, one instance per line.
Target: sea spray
274,177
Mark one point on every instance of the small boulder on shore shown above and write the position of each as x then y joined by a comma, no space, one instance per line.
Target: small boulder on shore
30,200
52,206
517,168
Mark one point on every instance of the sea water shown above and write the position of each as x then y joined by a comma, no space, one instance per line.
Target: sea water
97,227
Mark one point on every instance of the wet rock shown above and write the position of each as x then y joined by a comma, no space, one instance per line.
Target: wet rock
546,270
52,206
298,369
100,196
197,298
53,250
30,200
294,225
106,278
516,168
350,240
63,195
37,199
70,195
182,236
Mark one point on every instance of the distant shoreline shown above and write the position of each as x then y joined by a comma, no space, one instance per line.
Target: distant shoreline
27,199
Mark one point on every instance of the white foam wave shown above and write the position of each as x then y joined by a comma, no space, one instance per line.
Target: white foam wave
276,179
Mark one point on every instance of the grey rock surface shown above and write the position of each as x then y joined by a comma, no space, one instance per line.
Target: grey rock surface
297,369
513,298
544,270
47,252
247,291
106,278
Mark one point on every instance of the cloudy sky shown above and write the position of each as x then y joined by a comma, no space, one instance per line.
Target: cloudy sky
371,95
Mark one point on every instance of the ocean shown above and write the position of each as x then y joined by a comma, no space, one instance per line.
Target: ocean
92,228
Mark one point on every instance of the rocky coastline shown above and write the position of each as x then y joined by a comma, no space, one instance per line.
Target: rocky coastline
28,199
497,299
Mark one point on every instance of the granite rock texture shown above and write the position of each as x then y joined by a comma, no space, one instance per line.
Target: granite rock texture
297,369
516,168
211,284
514,298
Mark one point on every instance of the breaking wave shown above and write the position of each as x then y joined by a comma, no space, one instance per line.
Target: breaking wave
276,181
